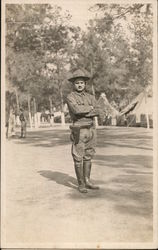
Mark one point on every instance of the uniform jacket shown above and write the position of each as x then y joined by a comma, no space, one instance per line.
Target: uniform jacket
82,107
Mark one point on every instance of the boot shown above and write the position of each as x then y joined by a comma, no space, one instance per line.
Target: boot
79,175
86,173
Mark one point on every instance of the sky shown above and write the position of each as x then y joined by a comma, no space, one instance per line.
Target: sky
78,9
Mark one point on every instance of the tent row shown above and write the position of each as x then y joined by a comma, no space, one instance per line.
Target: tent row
138,113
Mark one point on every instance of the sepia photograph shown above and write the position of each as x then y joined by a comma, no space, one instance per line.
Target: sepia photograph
79,120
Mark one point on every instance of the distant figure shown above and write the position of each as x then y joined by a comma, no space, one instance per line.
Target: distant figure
47,113
43,116
11,123
23,121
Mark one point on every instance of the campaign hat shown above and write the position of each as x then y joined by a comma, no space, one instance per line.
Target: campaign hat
79,74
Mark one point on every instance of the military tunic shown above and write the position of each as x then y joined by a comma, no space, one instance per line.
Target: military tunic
82,108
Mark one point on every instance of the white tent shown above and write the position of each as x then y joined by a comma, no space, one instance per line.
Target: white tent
141,105
108,109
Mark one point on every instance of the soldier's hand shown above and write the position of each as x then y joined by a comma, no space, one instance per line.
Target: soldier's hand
92,113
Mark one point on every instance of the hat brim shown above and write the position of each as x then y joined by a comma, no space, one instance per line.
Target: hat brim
72,79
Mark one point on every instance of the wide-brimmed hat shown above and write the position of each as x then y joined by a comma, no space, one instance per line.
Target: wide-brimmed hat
79,74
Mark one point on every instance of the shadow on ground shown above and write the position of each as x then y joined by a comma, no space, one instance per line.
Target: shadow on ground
106,137
48,138
127,162
62,178
129,190
59,178
124,138
132,196
124,200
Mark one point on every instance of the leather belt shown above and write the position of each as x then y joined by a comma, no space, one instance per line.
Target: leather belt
81,126
86,126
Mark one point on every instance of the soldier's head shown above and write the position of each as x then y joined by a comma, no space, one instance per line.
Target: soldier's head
79,84
79,79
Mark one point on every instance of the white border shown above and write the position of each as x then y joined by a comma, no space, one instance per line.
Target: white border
155,125
101,245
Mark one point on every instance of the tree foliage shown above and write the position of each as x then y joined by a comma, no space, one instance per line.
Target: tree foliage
36,45
42,46
126,33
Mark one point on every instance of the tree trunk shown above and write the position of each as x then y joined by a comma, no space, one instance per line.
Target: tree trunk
17,100
51,111
62,109
51,106
147,113
62,105
35,112
93,91
60,91
29,109
18,108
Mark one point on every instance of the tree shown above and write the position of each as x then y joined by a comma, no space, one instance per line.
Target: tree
102,52
125,32
40,38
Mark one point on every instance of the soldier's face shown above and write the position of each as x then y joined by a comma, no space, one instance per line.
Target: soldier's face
79,85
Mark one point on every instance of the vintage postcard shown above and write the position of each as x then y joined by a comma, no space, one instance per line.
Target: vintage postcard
79,123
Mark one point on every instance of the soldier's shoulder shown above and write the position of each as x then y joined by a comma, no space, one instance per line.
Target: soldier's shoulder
89,95
70,96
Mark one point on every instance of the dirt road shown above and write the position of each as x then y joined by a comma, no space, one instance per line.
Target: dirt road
43,205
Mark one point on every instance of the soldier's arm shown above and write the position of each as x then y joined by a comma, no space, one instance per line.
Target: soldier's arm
92,113
76,108
95,108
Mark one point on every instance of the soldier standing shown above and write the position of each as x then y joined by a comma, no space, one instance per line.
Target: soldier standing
23,121
83,108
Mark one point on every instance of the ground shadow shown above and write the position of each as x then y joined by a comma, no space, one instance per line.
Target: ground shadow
131,202
106,137
124,133
59,178
63,179
46,138
135,171
128,162
124,138
121,144
130,189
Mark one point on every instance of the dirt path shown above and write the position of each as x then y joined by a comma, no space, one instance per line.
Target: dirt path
44,206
